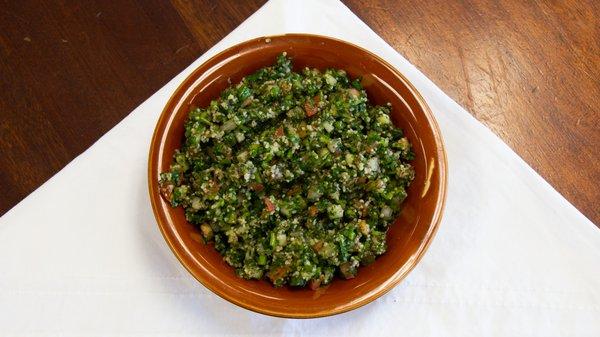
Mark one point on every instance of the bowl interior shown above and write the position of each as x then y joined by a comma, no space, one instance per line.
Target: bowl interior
407,238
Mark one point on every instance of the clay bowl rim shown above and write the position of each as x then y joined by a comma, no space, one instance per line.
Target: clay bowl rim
207,279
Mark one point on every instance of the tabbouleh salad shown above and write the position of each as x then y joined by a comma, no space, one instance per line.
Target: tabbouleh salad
293,176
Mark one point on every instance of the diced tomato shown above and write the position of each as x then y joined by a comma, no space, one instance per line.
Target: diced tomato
313,210
166,191
317,246
269,206
279,132
277,273
310,109
257,187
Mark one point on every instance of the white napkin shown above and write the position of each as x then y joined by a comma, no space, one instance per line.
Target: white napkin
82,255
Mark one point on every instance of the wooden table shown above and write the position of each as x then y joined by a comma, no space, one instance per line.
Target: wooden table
529,70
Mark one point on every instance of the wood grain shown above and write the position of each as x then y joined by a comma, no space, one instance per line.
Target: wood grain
529,70
71,70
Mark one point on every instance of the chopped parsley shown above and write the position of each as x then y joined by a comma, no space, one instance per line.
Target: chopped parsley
293,176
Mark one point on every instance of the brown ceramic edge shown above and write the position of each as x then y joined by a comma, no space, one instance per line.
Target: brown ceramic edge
375,293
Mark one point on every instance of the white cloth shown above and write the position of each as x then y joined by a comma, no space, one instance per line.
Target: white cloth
82,255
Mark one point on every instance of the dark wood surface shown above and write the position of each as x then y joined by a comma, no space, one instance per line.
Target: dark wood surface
529,70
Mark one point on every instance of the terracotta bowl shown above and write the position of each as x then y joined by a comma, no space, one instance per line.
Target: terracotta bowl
408,238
